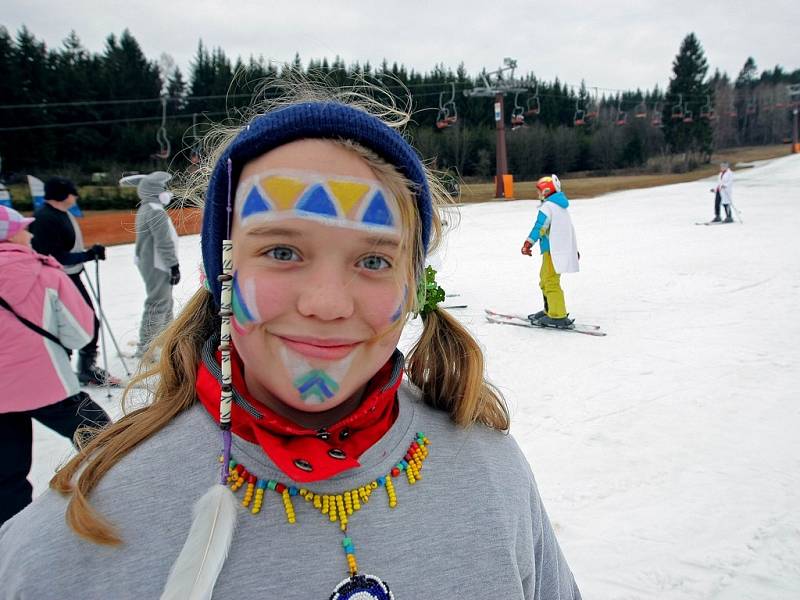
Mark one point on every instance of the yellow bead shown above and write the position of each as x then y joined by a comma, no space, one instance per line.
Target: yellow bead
317,502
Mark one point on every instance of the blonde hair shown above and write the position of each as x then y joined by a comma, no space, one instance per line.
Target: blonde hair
446,363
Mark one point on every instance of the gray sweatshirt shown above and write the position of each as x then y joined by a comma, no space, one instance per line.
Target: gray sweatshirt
474,527
156,239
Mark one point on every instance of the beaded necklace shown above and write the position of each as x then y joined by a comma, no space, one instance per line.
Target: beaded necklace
338,508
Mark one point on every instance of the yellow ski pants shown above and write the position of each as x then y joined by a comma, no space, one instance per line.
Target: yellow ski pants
550,282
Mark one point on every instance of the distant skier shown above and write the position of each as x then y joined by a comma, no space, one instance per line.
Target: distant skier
156,255
723,194
556,236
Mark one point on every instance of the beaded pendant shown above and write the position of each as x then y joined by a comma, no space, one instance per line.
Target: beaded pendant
338,508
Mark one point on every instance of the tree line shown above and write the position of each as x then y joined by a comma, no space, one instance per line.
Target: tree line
67,109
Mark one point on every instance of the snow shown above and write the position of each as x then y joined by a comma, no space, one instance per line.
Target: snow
667,453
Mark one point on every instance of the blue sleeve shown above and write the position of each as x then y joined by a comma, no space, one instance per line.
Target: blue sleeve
535,233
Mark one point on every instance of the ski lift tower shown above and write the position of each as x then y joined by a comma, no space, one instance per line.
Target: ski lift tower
794,98
497,86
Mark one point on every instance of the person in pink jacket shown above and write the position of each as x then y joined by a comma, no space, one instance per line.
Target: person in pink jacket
42,314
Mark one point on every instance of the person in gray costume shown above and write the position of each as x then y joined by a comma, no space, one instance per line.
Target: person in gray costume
156,254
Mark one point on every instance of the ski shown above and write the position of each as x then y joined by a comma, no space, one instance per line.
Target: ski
715,222
522,321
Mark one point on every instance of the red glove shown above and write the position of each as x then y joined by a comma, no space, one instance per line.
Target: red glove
527,248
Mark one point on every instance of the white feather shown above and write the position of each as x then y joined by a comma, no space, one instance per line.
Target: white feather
194,573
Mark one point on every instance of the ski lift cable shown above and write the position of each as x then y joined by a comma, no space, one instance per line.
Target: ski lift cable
409,87
108,121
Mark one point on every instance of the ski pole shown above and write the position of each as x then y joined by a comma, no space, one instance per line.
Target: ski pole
108,327
102,329
738,212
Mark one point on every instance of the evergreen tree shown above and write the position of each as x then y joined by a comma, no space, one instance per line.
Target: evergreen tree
747,76
684,130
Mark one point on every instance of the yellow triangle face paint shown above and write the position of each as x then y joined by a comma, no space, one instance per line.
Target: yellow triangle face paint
283,191
348,193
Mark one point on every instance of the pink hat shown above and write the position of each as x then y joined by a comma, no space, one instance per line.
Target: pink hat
11,222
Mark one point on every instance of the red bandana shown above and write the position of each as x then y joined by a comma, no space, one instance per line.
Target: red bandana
306,455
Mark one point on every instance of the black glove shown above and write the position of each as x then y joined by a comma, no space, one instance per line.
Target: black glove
98,251
174,275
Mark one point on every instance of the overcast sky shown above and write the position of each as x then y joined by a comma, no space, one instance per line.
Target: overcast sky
614,44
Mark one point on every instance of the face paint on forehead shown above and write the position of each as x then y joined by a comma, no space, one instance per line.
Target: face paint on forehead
330,199
315,385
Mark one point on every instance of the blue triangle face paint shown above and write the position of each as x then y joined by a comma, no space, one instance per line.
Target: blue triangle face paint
378,212
253,204
317,201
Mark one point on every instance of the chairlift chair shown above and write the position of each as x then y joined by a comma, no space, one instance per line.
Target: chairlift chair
534,106
622,116
592,110
443,119
640,112
656,120
677,109
448,113
518,114
707,111
688,117
580,114
164,146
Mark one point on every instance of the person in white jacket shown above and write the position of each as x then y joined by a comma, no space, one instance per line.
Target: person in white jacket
723,194
156,254
556,236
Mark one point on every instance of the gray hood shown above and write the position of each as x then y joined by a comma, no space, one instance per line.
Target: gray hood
152,185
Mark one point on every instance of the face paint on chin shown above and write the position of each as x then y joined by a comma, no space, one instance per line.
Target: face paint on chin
315,385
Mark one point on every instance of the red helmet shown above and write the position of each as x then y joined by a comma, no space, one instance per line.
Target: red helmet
548,185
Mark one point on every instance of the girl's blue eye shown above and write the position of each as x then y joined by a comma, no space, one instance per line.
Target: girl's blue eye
282,253
374,263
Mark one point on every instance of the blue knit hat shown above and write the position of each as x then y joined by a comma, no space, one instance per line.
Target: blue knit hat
331,120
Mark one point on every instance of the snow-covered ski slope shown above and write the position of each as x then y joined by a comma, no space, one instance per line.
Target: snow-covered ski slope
668,452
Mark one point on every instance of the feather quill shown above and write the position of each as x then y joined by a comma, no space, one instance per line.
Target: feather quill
195,571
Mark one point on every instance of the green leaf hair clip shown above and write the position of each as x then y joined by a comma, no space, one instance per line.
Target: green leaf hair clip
429,293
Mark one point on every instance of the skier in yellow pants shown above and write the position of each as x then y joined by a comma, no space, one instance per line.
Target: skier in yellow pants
556,236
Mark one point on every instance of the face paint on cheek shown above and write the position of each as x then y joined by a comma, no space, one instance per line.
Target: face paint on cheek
399,312
315,385
245,309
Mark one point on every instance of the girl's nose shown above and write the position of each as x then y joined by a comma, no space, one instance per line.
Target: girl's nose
328,296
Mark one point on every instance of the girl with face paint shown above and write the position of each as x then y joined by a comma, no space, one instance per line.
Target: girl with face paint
284,372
